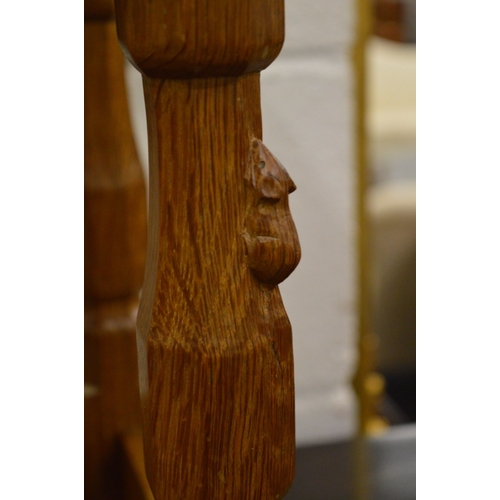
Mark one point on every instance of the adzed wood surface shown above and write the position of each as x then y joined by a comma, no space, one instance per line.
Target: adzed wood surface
214,340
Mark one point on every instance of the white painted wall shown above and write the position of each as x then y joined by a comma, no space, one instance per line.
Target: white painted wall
308,119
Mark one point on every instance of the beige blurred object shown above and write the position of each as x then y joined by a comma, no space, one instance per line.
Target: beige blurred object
390,109
391,89
391,200
392,227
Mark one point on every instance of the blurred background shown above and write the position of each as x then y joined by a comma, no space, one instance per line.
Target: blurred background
338,111
390,202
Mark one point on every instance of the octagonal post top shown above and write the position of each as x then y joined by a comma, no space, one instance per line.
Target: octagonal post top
195,38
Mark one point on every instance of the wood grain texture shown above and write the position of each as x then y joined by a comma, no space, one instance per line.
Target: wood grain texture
99,10
115,241
115,207
214,340
188,38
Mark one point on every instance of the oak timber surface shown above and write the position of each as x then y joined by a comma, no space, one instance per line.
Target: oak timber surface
115,240
214,341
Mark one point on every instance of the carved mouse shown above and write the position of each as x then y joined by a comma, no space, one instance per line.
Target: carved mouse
272,244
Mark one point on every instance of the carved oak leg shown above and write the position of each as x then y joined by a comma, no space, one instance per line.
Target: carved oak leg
115,245
214,341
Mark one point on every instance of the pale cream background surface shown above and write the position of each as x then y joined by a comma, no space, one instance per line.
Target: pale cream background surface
308,119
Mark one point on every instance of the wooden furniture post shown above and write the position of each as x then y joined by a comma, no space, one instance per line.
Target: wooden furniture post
115,247
214,341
